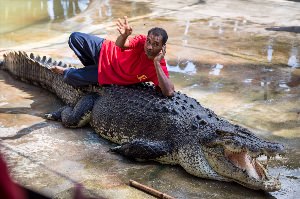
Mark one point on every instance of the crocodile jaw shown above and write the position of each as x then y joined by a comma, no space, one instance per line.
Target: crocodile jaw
241,168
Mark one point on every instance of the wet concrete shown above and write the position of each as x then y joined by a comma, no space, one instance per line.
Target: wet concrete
220,53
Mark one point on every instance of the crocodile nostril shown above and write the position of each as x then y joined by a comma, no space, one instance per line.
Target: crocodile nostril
203,122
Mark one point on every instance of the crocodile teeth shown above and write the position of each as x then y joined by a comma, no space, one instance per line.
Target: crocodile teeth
265,165
278,176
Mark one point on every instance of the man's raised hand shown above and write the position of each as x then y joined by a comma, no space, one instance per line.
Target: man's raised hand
124,29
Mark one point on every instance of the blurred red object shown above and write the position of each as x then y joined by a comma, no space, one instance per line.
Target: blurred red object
9,189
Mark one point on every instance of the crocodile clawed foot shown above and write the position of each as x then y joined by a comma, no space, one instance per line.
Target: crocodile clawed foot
114,149
50,116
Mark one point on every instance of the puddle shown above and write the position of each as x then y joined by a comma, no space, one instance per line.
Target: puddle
221,54
35,20
294,58
216,69
186,67
19,14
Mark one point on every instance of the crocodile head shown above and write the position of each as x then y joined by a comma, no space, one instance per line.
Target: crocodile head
231,155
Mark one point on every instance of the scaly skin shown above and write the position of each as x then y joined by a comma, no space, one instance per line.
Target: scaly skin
149,126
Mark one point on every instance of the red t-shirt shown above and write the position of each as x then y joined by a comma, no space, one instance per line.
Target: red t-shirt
130,66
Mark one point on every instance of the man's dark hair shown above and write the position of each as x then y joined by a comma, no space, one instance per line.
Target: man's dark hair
159,32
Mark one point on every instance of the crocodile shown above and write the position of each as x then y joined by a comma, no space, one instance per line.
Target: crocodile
145,125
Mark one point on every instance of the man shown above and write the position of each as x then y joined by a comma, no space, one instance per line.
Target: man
123,62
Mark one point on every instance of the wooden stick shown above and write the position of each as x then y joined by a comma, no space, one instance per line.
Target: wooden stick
149,190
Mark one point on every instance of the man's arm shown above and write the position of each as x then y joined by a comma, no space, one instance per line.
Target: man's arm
166,86
125,30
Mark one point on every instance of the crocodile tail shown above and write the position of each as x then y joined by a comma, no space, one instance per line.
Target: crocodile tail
35,70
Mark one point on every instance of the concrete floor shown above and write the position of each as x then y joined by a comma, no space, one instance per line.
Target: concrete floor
46,157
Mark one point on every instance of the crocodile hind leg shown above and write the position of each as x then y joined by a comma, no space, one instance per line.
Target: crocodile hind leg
144,150
77,116
56,115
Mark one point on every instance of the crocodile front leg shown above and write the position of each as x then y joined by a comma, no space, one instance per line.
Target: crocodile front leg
144,150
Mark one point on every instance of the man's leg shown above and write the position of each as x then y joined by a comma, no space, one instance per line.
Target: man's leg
86,47
81,76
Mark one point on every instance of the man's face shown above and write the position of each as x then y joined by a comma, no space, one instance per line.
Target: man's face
153,45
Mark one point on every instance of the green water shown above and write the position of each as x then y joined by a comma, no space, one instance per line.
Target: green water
20,14
218,53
